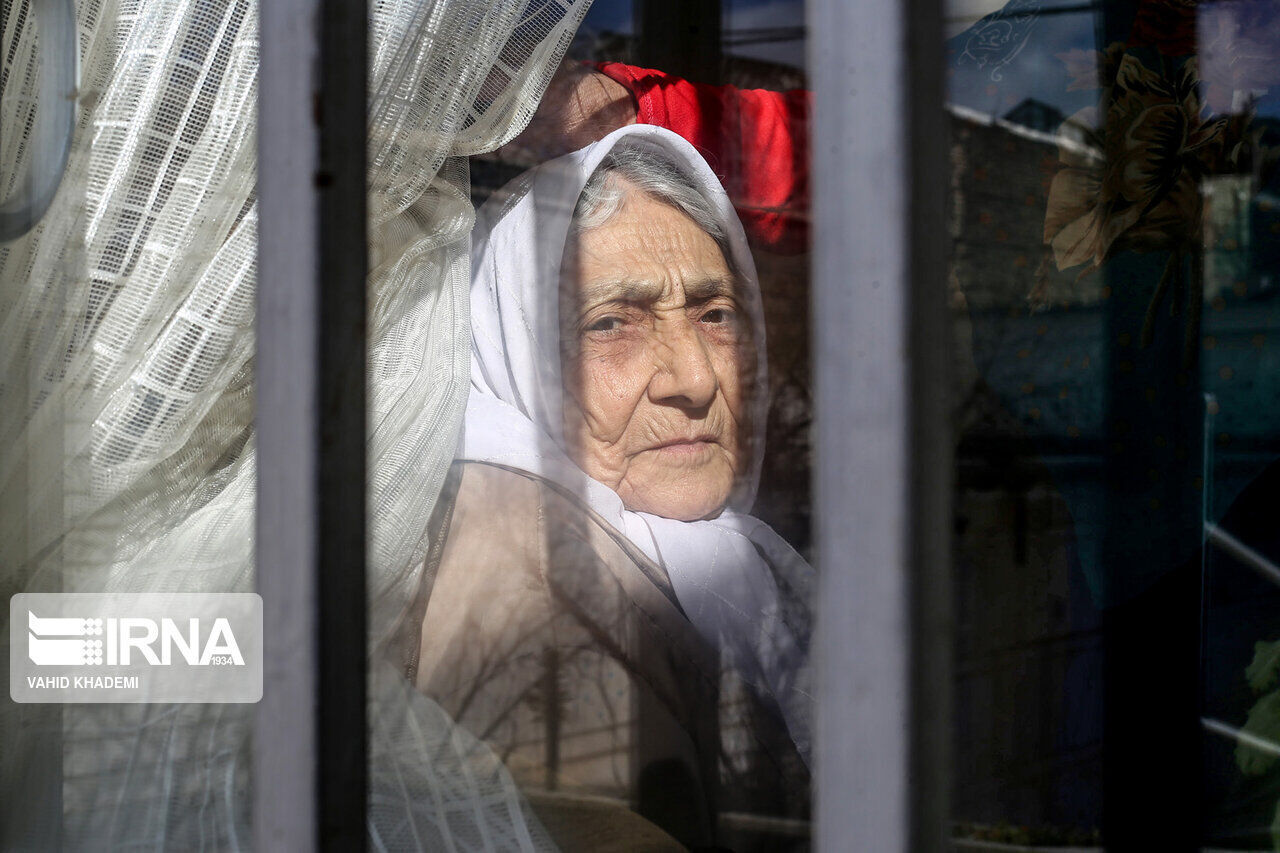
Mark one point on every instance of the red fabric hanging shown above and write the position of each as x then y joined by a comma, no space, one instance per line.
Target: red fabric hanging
756,140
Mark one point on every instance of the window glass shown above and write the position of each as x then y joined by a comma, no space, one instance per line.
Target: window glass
621,608
1117,604
127,249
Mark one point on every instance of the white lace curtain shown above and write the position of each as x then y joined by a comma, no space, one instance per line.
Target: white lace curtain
127,457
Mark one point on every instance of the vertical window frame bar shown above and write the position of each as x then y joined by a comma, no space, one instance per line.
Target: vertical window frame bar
310,741
882,437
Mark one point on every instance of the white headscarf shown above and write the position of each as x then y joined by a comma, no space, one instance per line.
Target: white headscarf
741,585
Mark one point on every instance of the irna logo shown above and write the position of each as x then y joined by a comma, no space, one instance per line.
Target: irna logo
125,641
135,647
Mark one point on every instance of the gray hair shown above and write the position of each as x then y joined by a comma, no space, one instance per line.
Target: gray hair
649,171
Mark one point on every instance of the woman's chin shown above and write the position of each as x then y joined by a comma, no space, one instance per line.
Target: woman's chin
680,501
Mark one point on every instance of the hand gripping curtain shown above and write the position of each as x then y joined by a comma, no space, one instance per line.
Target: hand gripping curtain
126,366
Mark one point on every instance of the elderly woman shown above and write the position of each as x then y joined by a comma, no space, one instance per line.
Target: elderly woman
596,606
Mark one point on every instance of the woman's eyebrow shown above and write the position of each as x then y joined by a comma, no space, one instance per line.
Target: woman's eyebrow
621,290
709,288
632,290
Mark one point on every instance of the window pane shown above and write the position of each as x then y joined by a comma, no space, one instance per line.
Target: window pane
579,616
125,401
1111,283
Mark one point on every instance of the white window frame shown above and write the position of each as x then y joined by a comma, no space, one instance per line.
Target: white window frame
311,743
882,442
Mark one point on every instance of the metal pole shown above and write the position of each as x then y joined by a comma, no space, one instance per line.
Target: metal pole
310,745
882,438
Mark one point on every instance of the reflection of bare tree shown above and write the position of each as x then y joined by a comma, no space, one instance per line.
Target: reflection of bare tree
529,640
547,638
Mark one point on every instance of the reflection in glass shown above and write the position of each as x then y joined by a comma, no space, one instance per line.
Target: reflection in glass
1112,170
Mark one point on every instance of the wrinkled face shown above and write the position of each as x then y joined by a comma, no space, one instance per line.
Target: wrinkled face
656,356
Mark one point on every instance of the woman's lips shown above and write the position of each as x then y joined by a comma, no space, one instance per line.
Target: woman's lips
685,447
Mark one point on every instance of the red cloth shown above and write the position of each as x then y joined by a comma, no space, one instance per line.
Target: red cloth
756,140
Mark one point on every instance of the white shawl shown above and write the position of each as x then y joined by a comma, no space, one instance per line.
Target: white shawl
741,585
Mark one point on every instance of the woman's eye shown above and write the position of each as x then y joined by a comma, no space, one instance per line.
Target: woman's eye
718,315
605,324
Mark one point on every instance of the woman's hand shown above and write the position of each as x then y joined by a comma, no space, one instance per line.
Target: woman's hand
581,106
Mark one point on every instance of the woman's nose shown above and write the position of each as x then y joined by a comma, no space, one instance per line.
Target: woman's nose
685,376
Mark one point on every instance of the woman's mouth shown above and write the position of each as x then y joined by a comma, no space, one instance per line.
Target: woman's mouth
685,448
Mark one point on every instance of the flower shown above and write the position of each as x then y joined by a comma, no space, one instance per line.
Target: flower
1134,182
1131,180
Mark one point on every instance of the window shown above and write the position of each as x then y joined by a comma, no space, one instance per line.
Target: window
720,424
